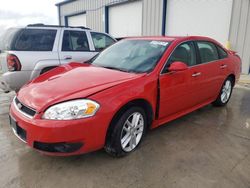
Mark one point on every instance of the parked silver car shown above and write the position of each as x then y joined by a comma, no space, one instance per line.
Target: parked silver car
27,52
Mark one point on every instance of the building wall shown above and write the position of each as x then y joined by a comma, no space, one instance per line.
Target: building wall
240,31
152,17
95,12
239,34
199,17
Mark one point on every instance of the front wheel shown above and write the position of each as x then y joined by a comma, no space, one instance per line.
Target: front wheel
127,132
225,93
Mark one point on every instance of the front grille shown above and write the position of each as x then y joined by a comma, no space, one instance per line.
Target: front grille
24,109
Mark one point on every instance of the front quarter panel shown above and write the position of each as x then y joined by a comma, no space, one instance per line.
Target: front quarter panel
113,99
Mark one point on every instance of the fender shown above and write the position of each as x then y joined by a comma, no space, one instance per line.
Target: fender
40,65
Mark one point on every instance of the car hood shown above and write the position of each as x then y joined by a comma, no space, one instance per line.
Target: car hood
72,81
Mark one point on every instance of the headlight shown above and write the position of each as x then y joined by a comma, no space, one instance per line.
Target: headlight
75,109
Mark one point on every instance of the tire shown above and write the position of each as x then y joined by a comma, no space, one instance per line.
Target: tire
124,137
225,93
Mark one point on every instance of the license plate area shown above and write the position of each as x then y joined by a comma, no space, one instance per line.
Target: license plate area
18,131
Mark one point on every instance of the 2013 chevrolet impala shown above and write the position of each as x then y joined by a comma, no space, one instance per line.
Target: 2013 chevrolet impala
111,100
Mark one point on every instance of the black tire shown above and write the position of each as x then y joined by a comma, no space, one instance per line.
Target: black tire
219,101
113,144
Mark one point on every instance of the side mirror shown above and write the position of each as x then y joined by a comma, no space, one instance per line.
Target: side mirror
177,66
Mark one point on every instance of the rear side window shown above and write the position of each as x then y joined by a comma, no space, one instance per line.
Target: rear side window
101,41
75,41
222,52
208,51
35,40
8,37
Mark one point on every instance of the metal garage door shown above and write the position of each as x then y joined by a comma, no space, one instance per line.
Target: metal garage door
125,19
199,17
78,20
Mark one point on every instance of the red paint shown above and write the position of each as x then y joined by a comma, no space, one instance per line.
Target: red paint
180,93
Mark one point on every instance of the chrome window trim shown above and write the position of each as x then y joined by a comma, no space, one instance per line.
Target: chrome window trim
188,66
171,54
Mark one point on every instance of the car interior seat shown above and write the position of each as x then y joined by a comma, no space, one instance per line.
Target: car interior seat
82,43
207,55
180,54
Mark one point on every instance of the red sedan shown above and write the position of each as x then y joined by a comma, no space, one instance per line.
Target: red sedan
135,85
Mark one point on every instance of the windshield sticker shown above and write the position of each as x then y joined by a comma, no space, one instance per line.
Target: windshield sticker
159,43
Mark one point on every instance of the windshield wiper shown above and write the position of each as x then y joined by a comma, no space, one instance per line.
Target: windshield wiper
115,68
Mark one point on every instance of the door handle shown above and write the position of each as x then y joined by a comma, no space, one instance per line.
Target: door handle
67,57
196,74
223,66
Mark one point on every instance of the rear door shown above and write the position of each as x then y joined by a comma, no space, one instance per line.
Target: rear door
76,46
179,91
224,63
211,67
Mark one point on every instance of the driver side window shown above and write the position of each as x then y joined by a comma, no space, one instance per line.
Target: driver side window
185,53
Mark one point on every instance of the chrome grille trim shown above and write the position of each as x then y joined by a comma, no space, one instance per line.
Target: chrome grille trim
16,102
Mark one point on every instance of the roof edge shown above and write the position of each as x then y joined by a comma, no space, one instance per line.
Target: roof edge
64,2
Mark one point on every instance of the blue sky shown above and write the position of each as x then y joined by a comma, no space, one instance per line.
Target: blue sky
22,12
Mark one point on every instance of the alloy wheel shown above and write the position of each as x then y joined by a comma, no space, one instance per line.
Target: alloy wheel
226,91
132,131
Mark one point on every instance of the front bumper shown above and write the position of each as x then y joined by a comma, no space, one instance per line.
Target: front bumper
78,136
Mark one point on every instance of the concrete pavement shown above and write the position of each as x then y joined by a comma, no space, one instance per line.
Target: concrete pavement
244,80
207,148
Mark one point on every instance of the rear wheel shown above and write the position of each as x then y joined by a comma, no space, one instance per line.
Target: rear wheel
127,132
225,93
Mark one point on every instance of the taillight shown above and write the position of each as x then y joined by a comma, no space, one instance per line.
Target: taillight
13,63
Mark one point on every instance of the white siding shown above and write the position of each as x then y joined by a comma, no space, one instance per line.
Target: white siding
121,23
78,20
205,17
240,32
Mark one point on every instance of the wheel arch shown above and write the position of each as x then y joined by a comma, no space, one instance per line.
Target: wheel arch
233,78
143,103
46,69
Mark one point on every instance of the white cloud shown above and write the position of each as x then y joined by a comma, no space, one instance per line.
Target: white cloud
23,12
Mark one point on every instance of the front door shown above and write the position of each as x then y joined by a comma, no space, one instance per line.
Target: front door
178,89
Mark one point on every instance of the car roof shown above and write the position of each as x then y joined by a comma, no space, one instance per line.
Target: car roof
170,38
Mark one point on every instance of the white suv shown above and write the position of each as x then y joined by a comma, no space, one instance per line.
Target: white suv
27,52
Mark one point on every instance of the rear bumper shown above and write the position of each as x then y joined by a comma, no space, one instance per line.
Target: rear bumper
4,86
14,80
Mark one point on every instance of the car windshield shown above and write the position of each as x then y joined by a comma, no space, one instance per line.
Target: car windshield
132,55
